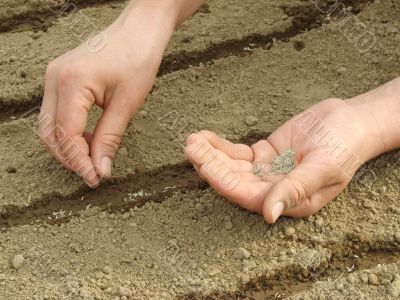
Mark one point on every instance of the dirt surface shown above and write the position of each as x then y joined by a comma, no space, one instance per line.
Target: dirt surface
156,231
19,15
25,53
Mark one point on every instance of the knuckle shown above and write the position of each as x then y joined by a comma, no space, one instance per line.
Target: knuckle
334,101
206,133
190,137
66,75
51,69
60,132
82,165
44,135
45,120
42,138
40,132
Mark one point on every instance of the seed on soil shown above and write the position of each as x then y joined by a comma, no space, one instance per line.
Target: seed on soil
284,163
251,120
243,253
18,261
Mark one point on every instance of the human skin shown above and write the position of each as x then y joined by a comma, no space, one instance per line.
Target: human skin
332,139
116,78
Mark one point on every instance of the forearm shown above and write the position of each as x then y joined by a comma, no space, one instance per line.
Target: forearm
153,22
173,12
381,107
178,10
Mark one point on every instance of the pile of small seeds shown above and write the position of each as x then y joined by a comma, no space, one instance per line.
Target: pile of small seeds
284,163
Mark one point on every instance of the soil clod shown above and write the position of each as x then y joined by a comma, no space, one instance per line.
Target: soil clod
18,261
243,253
124,291
251,120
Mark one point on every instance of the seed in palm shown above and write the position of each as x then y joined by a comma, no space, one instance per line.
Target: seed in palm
258,170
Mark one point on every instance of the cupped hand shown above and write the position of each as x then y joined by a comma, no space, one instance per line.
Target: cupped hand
331,141
117,77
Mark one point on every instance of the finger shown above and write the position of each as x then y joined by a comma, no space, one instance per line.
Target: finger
318,200
47,119
244,188
264,151
73,107
248,176
109,130
88,136
234,151
203,151
296,188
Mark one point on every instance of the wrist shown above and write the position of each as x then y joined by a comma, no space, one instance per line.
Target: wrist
153,21
165,11
381,110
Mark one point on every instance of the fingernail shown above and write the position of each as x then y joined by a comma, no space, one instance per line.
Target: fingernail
277,210
106,166
91,178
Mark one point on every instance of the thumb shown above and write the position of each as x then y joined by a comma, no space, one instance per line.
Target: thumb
108,134
292,195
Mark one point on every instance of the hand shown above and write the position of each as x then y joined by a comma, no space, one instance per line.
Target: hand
116,78
331,140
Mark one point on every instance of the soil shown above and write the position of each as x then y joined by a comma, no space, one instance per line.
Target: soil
156,231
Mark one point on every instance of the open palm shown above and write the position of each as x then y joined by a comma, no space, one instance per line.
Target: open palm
329,142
